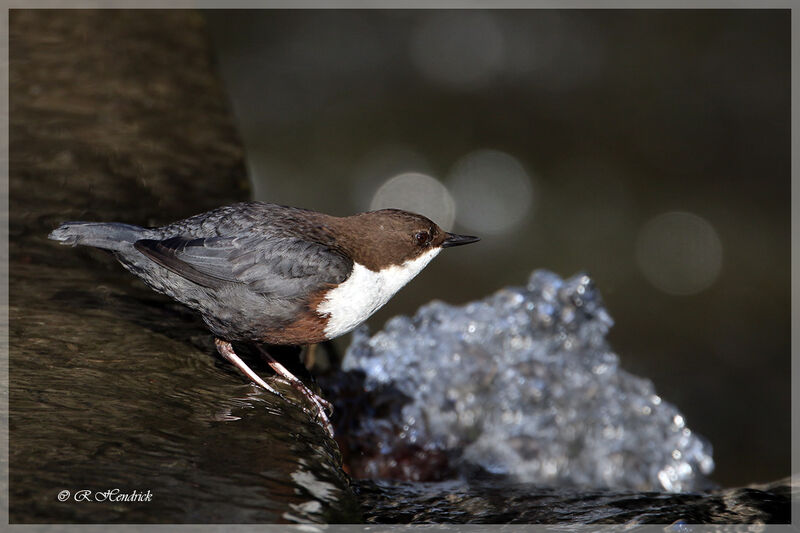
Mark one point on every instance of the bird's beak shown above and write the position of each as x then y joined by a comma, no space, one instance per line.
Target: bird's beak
457,240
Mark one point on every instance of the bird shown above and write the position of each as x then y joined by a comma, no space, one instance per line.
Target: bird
271,274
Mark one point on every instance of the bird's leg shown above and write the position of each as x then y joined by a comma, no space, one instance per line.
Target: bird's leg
296,383
311,351
225,349
325,406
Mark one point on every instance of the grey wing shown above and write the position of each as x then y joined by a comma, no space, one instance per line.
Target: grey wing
280,267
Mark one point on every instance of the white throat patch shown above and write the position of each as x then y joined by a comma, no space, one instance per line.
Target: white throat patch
365,291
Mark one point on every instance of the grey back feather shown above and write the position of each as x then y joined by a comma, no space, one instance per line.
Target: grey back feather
279,267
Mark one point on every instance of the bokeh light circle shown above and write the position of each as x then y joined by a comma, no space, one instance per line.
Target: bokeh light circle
679,253
492,190
375,167
418,193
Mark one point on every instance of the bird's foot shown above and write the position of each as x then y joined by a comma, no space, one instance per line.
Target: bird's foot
325,407
225,349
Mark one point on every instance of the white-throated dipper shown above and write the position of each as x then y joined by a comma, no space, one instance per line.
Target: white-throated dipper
273,274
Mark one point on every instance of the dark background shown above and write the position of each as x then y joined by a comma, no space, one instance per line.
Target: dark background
649,148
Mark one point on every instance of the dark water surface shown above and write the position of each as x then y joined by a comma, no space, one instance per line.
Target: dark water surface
617,117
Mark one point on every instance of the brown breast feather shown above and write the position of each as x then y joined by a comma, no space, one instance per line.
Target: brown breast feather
309,328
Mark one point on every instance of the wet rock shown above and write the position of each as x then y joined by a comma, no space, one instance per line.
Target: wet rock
484,501
118,115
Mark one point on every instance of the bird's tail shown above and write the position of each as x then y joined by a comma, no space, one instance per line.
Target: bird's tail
105,235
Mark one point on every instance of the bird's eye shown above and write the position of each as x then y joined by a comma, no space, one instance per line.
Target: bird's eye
422,238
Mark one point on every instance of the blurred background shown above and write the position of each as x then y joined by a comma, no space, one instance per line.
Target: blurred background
648,148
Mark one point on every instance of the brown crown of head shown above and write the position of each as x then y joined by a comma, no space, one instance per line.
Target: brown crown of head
378,239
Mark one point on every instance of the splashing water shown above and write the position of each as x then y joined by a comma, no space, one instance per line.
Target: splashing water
523,383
